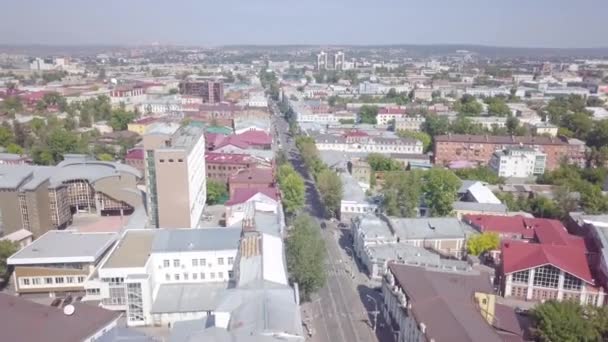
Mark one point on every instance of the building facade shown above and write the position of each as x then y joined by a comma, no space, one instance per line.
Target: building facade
176,176
518,162
358,141
480,148
209,90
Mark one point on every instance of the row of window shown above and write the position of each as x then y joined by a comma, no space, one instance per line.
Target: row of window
171,160
36,281
229,168
547,276
196,262
195,276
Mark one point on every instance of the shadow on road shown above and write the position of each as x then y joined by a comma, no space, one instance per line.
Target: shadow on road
384,332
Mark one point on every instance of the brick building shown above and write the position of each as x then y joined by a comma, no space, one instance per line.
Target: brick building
479,148
209,91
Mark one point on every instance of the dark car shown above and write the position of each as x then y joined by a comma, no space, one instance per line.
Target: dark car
78,299
68,300
56,302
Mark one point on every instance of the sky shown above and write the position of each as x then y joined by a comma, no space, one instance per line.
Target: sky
517,23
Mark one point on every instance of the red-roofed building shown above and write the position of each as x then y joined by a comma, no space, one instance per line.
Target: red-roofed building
250,139
135,158
387,114
246,200
539,271
251,178
220,166
539,260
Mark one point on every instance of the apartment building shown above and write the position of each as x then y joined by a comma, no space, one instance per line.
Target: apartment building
41,198
154,275
220,166
387,114
359,141
426,304
409,123
480,148
518,162
211,91
175,176
59,261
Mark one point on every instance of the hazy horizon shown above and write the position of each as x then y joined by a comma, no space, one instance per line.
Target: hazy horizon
513,24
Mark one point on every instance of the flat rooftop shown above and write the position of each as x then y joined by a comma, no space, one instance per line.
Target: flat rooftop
64,246
188,297
185,240
133,250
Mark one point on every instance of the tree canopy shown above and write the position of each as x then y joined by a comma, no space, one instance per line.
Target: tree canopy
292,188
7,248
468,106
425,138
305,250
402,192
484,242
440,189
480,173
379,162
497,106
368,114
565,321
216,192
330,189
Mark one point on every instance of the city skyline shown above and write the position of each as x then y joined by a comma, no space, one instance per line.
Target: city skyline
542,24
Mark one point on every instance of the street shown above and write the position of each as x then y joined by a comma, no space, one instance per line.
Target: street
342,311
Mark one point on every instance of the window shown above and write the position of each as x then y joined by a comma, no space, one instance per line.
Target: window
175,262
220,261
220,275
59,280
176,276
230,274
180,160
166,263
520,277
25,281
230,260
81,279
212,275
571,282
36,281
202,262
546,276
194,276
194,262
167,277
48,280
70,280
170,160
161,160
202,276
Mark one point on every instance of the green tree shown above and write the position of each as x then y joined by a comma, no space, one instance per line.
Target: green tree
484,242
305,251
173,91
464,125
216,192
563,321
425,138
330,189
105,157
7,248
579,123
468,106
436,125
14,148
402,192
121,118
367,114
598,137
379,162
498,107
292,189
480,173
6,136
440,189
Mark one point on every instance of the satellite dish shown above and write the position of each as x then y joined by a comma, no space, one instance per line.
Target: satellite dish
68,310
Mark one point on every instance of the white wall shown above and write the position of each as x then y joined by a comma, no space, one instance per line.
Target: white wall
197,185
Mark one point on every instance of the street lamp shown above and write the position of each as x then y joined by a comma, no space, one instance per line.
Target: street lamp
375,312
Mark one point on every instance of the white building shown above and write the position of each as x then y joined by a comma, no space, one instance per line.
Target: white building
518,162
357,141
245,201
257,100
545,128
489,122
160,276
354,200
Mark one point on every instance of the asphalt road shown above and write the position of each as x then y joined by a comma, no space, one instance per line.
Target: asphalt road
341,311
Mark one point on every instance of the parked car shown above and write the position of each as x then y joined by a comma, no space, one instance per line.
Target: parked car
56,302
68,300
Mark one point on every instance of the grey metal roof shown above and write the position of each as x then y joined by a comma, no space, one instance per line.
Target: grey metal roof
188,297
482,207
207,239
352,189
57,244
373,227
429,228
133,250
30,177
124,334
